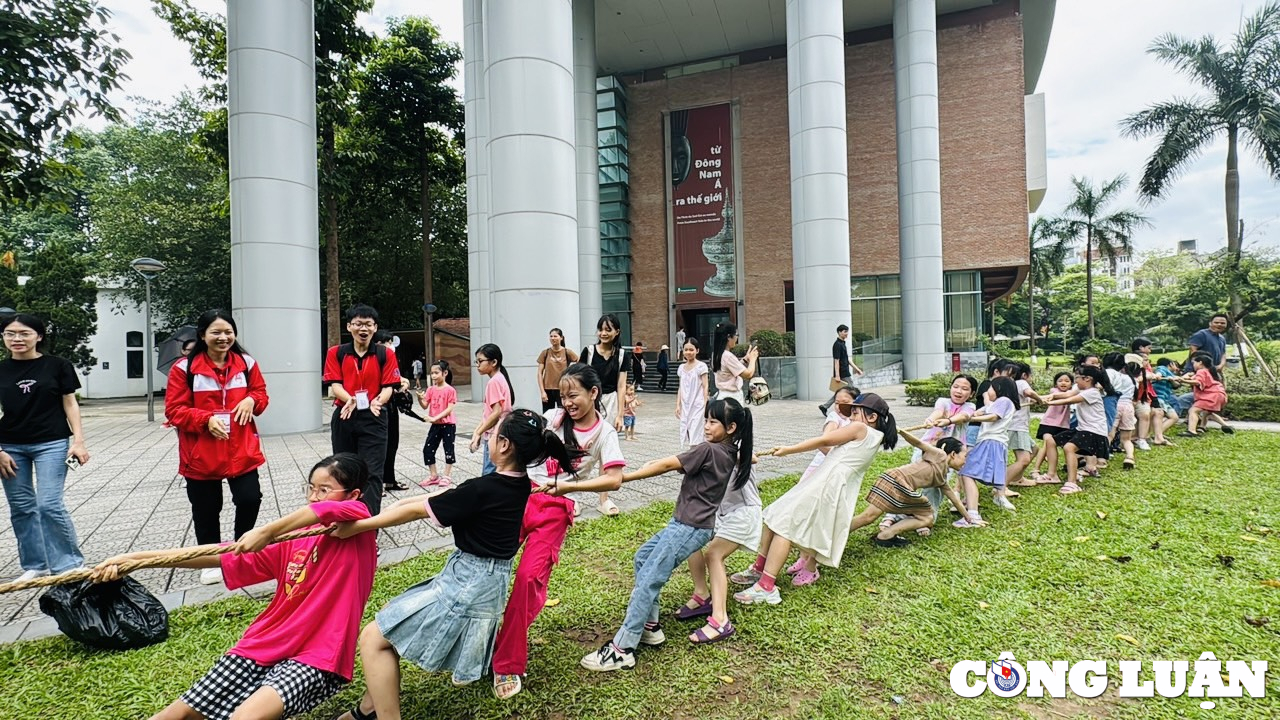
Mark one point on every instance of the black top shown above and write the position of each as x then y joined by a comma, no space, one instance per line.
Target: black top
608,368
485,514
31,398
840,351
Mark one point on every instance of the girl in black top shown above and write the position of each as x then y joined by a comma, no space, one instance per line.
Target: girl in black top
41,437
609,361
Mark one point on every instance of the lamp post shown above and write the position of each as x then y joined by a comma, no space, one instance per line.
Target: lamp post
149,268
430,310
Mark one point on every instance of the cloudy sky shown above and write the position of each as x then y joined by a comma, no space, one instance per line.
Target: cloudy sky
1096,72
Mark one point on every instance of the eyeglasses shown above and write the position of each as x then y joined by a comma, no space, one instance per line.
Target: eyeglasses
320,492
363,325
481,361
18,335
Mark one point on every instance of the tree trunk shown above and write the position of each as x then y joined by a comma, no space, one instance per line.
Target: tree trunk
1088,275
1234,232
332,286
427,289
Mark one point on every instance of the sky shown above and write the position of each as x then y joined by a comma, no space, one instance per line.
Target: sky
1096,72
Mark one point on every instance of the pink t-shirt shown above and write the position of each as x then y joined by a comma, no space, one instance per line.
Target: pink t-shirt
497,392
729,376
1057,416
440,397
323,585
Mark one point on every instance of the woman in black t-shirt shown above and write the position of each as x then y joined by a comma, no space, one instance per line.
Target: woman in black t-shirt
41,437
450,621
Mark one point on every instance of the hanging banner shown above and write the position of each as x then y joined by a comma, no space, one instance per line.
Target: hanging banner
701,204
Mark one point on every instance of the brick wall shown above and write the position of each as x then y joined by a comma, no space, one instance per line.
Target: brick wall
983,166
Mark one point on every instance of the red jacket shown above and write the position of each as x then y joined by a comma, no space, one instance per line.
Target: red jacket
188,407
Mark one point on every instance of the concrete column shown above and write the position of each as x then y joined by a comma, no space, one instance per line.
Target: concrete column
533,223
584,100
275,270
819,186
915,70
476,113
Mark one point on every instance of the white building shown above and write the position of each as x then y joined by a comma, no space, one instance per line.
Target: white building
119,347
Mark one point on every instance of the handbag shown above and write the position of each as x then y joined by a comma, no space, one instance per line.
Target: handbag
836,384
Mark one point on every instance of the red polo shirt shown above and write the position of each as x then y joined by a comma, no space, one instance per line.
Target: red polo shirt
361,372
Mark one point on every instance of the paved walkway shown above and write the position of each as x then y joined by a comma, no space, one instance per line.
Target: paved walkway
129,496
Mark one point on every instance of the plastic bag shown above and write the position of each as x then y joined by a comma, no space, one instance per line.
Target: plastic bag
119,615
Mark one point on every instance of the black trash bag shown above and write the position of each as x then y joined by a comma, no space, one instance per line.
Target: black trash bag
118,615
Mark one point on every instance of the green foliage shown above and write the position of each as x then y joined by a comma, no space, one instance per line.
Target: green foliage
770,342
60,293
1259,408
924,393
790,339
1255,383
58,62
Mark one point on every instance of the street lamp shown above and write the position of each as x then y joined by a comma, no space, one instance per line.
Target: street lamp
149,268
429,310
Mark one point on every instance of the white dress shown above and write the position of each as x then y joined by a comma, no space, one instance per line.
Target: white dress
818,455
815,513
692,406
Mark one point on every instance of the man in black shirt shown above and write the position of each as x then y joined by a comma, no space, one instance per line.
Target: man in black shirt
842,368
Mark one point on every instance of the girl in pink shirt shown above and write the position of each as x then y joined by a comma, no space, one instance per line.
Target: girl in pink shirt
302,648
498,399
439,401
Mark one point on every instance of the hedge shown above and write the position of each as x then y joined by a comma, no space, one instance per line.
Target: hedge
1261,408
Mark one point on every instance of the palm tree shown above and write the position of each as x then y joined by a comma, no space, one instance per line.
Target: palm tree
1086,218
1242,104
1049,250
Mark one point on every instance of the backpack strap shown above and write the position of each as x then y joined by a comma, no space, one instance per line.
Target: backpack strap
347,349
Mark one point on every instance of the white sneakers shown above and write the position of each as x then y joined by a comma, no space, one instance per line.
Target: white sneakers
31,575
1142,444
211,576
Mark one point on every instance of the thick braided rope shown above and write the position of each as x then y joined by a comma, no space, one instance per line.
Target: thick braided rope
166,560
769,453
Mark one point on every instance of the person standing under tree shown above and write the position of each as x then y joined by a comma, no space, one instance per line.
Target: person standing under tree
361,377
551,364
842,368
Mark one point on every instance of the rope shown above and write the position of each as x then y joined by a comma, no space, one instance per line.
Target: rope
769,452
166,560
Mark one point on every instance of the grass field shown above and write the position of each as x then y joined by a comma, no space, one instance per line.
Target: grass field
1173,556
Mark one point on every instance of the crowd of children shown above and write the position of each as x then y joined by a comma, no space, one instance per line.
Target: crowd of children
472,619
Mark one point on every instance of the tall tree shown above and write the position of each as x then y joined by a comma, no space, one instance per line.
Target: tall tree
406,99
57,62
1049,250
1087,218
1243,104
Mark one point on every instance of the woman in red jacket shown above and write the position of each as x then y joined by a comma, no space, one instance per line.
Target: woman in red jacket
211,399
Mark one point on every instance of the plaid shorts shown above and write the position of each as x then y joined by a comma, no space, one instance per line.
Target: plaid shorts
233,679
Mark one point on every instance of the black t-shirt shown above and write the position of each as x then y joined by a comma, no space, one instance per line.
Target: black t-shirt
31,397
485,514
608,368
840,351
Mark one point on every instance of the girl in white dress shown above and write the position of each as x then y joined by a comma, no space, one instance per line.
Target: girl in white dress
691,398
815,514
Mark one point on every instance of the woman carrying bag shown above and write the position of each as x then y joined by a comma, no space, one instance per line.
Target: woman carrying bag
212,398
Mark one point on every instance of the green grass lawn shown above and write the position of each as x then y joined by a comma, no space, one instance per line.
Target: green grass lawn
1041,583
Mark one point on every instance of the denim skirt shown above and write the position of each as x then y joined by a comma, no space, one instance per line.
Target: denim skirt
450,621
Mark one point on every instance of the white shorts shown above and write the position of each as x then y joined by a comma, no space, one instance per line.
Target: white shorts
742,526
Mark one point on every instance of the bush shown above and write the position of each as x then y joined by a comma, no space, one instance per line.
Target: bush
1260,408
1255,384
771,343
923,393
790,339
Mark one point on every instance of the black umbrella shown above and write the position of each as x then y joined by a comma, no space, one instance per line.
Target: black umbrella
171,348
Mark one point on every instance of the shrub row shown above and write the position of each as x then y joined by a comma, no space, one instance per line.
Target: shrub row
1260,408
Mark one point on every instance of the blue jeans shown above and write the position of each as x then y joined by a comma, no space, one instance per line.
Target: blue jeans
1111,404
46,537
654,562
487,467
1184,402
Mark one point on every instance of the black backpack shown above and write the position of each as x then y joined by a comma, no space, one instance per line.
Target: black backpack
191,377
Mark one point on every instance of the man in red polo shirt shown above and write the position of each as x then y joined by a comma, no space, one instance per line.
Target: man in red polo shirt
361,378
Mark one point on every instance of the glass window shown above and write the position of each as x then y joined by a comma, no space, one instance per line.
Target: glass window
134,366
962,311
614,192
789,306
133,339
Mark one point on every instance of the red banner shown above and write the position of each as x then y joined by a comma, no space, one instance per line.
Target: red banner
702,212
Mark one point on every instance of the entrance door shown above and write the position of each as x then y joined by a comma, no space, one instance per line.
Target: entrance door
701,323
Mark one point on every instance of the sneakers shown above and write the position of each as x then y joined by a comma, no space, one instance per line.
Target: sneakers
1142,444
755,595
609,658
31,575
822,409
395,486
652,635
750,576
1003,503
211,576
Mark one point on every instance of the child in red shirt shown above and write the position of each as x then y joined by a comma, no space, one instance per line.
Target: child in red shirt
301,649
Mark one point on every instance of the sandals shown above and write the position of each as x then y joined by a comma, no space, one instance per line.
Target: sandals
357,715
1069,489
506,687
963,524
804,577
1011,493
796,566
1023,482
1228,430
704,635
1048,480
1129,465
607,507
690,613
1090,473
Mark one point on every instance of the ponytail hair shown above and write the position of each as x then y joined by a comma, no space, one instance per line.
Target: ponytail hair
494,353
1006,388
444,369
730,412
887,424
1099,378
1207,360
949,445
586,377
533,441
347,468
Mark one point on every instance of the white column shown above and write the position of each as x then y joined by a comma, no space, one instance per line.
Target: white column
584,100
819,186
476,127
915,70
533,224
275,266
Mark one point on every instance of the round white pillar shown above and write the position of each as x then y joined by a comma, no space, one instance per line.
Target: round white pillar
476,126
532,175
275,266
584,100
915,70
819,186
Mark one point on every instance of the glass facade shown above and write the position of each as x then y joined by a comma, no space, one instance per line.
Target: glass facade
876,304
615,201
